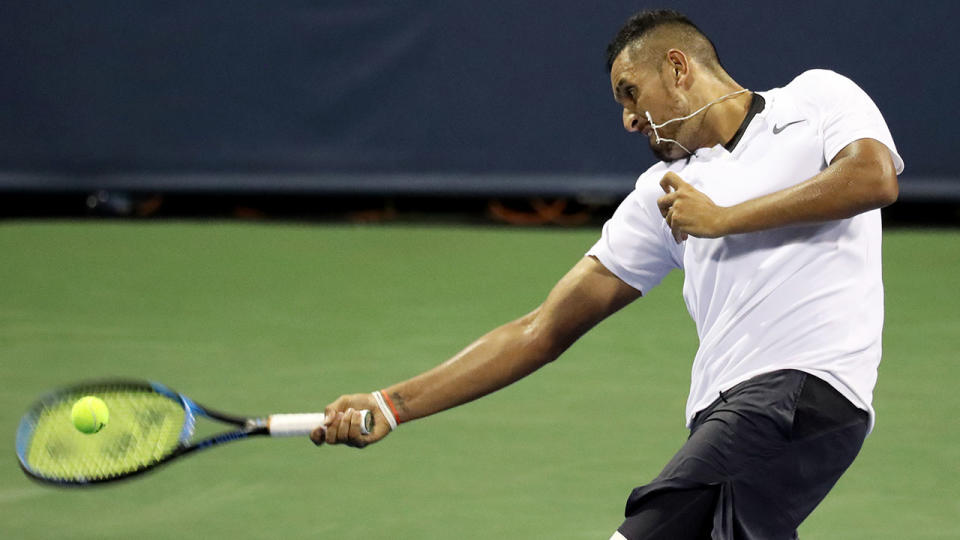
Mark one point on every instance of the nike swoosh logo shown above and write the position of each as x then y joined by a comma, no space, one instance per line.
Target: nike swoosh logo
778,129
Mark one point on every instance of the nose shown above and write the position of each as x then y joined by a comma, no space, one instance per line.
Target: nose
631,122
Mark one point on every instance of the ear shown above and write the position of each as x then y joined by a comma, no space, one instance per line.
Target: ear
679,66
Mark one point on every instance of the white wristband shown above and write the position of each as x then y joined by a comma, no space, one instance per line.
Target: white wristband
392,420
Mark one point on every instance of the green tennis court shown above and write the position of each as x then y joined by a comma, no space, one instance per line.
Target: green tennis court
259,318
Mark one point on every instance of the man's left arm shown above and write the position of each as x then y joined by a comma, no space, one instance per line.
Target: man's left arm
861,177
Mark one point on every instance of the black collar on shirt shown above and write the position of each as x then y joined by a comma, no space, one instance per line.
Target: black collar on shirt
756,105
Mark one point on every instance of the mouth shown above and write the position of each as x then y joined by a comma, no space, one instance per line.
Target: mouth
646,129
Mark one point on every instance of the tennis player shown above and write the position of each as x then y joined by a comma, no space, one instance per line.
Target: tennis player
769,203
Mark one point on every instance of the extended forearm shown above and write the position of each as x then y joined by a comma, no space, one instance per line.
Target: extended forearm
586,295
497,359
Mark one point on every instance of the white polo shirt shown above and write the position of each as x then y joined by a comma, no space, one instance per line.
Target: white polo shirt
807,297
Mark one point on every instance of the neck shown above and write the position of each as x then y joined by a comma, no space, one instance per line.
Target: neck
722,119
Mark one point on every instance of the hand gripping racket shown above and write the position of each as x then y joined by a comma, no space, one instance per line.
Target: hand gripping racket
149,425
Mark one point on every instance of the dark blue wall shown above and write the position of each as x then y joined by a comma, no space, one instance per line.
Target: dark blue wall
273,88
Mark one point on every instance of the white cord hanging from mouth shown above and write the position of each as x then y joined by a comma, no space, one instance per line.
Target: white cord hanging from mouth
691,115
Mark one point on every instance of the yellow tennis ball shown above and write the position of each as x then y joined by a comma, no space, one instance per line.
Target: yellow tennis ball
90,414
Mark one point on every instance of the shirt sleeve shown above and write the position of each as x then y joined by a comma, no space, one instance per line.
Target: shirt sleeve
634,245
846,113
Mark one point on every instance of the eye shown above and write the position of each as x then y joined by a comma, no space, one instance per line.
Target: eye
632,92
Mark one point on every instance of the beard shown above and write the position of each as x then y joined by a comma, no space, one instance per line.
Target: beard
666,151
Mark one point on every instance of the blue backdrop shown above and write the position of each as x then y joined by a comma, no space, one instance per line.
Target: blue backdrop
432,95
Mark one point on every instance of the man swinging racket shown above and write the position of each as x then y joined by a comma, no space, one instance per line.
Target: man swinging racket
769,203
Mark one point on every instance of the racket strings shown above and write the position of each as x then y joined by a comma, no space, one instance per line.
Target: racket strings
144,427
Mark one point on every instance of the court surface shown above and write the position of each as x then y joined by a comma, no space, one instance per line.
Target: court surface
259,318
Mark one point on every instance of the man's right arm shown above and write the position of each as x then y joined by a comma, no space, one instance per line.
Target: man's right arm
586,295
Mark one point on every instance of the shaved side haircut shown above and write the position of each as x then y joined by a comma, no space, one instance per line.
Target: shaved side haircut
659,30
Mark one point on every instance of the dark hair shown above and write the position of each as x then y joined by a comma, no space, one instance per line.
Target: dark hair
640,24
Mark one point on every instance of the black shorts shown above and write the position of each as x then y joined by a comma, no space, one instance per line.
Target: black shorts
759,459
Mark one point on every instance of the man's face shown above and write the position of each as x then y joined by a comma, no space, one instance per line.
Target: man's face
639,88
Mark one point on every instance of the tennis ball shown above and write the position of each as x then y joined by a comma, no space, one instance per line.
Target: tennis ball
89,414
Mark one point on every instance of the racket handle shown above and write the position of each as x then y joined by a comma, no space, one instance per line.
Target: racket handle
298,425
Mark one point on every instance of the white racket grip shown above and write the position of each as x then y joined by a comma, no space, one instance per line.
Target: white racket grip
298,425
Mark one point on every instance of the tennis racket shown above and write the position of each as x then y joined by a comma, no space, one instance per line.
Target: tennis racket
150,425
